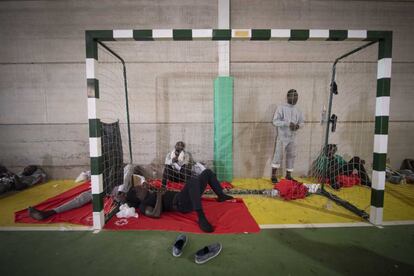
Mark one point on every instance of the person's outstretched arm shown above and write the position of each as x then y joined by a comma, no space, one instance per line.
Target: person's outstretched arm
156,211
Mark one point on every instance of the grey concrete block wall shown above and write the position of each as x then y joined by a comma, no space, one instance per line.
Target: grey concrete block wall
43,112
42,80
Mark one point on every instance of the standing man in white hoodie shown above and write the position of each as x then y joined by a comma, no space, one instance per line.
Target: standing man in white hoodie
177,164
287,119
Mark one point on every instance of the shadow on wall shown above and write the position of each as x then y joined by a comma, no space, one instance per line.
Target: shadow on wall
257,140
262,145
355,128
264,91
47,160
172,128
162,109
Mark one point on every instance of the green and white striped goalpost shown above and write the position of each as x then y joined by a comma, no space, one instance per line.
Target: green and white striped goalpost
384,39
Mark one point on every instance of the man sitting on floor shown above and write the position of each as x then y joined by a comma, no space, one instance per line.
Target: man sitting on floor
177,164
329,165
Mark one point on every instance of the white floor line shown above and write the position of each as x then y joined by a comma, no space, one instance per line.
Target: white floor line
314,225
398,222
328,225
262,226
46,228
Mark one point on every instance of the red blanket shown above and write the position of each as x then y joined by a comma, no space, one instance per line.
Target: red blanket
82,215
291,189
178,186
226,217
346,180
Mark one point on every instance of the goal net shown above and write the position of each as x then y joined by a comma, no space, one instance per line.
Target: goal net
170,93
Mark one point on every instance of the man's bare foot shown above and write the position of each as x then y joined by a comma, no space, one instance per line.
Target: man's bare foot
40,215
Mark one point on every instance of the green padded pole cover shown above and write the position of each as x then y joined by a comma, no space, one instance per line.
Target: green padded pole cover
223,128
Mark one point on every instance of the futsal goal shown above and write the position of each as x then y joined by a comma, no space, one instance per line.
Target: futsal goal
157,87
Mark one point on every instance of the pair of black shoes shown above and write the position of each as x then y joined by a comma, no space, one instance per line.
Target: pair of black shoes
202,256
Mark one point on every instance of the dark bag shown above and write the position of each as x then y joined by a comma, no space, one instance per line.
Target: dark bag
8,180
31,176
407,164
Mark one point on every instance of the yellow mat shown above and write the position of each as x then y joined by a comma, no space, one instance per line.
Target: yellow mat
398,205
15,201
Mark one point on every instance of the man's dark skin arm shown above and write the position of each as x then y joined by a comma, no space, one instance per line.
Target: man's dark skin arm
177,153
156,211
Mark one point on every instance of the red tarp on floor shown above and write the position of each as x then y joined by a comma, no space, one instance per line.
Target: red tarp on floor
226,217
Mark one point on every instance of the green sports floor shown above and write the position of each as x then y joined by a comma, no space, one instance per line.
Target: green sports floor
301,251
322,251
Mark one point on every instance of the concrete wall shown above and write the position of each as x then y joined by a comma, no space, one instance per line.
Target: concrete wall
43,113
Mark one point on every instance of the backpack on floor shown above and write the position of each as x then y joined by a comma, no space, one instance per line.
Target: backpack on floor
407,164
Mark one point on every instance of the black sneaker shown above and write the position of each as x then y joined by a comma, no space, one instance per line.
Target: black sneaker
207,253
289,177
224,197
179,245
336,186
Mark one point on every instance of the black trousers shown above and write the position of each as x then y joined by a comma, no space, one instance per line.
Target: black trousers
173,175
189,199
354,164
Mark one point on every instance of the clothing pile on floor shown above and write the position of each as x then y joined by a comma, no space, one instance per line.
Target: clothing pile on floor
292,189
30,176
404,175
344,181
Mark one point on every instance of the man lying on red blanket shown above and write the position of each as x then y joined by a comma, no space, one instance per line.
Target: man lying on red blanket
85,197
153,203
185,201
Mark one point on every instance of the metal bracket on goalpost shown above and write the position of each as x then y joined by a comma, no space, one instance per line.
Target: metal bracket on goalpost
384,39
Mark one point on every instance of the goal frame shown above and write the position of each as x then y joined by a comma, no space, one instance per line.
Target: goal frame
382,106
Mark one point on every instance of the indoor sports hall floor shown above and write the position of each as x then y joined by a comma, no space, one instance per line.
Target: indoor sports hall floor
317,251
268,212
345,250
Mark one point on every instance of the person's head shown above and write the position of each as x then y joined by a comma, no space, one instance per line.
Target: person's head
139,170
292,97
179,146
330,150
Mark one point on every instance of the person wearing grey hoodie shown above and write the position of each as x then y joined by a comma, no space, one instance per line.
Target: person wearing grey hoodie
288,119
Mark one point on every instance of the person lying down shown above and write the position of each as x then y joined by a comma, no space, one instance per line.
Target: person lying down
153,203
84,198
